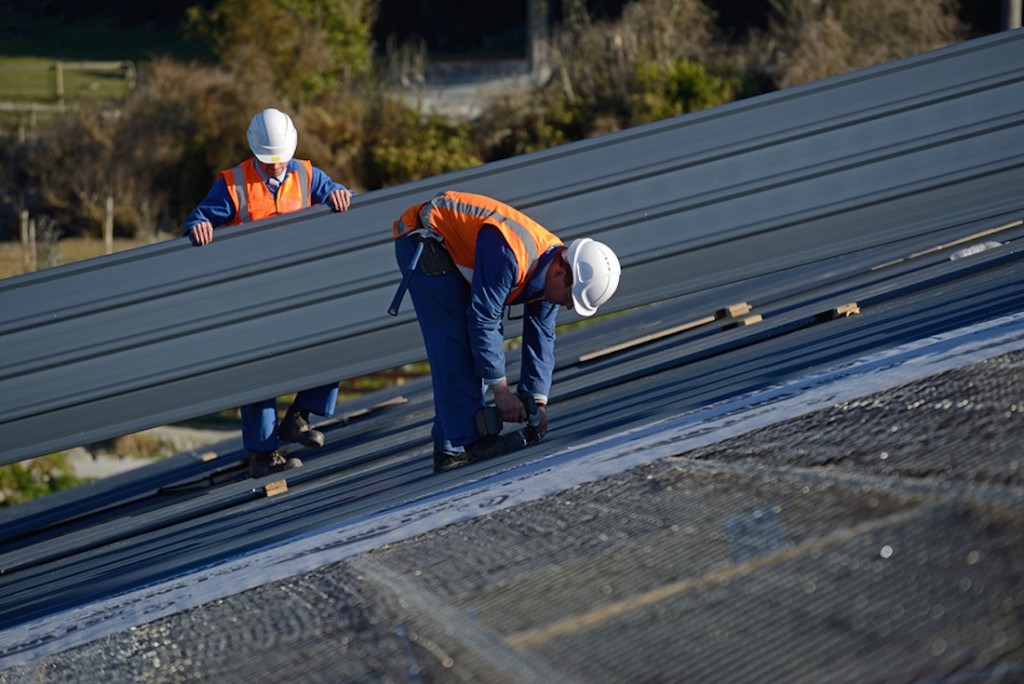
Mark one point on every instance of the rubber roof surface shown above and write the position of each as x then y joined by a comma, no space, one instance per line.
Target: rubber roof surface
881,157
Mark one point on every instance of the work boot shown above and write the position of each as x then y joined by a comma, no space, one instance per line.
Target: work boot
488,446
266,462
295,428
446,460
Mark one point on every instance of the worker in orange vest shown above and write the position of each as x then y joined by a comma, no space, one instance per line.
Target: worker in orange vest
464,259
271,182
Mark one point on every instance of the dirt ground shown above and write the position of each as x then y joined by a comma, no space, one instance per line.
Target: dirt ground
95,461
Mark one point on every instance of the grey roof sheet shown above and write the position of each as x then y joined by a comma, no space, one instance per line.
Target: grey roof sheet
167,332
793,221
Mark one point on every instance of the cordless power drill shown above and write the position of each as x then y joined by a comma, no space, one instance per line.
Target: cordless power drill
489,422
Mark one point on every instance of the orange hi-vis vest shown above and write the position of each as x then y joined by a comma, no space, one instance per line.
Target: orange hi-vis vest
458,217
253,199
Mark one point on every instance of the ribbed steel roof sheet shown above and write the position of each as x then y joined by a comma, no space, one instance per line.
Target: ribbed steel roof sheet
167,332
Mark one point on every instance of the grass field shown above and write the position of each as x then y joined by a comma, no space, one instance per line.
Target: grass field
34,79
30,45
71,250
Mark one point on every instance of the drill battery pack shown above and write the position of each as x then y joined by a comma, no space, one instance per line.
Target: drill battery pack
488,421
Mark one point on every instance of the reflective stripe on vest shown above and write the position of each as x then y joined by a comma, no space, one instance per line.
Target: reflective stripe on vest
447,202
303,184
458,217
241,192
238,179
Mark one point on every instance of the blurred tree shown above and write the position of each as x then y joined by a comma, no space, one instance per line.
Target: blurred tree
34,478
156,157
679,87
814,39
657,60
405,145
304,48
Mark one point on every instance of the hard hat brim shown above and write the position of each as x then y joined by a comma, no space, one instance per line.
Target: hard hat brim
589,285
578,304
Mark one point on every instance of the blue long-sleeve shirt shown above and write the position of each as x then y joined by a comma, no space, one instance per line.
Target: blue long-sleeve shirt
218,208
494,276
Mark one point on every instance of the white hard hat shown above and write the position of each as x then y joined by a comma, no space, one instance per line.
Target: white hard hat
272,136
595,274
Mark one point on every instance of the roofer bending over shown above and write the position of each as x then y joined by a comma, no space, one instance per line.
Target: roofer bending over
479,256
268,184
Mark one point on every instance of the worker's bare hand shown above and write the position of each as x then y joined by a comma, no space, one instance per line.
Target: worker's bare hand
542,428
202,233
340,199
512,410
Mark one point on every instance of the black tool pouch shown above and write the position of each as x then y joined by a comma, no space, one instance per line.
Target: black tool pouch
435,260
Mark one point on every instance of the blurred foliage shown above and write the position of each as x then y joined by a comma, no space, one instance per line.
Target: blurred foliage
303,48
528,122
158,152
812,39
676,88
660,59
155,155
409,145
34,478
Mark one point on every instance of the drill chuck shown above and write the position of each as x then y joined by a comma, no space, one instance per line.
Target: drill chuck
532,417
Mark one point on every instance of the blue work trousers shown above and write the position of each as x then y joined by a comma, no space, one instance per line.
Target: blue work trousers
259,419
441,303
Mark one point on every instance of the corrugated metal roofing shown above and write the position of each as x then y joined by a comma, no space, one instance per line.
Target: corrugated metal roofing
755,188
857,190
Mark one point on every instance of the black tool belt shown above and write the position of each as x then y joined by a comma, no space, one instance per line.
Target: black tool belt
435,260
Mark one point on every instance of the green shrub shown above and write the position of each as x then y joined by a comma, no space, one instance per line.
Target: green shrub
520,123
679,87
34,478
606,76
303,48
406,145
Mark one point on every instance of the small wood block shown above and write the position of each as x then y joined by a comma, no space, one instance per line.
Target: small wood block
847,310
274,488
647,338
734,310
838,312
747,320
208,456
